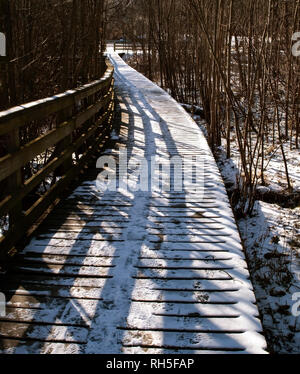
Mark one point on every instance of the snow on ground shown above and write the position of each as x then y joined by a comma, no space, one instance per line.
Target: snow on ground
272,242
271,238
275,176
4,225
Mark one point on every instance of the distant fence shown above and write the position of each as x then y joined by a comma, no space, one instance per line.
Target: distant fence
127,46
87,110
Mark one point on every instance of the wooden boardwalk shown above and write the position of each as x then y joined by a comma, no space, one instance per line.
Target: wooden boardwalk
136,272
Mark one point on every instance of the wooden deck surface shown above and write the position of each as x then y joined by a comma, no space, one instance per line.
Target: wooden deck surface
136,272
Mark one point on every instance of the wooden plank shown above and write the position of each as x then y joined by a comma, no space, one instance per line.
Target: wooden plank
15,180
65,142
189,285
58,259
43,332
186,231
86,231
207,341
42,317
208,274
52,282
180,264
175,351
64,247
70,224
66,270
229,297
41,301
190,324
148,254
57,291
81,236
198,311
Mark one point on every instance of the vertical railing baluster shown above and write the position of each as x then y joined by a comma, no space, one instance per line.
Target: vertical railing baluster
63,116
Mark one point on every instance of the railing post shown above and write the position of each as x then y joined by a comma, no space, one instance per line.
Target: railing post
15,180
90,101
4,96
63,116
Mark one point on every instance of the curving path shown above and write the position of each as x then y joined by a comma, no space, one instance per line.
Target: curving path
137,272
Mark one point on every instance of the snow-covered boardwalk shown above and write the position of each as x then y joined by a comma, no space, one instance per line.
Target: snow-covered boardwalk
137,272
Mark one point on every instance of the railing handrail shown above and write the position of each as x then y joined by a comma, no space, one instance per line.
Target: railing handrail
14,117
94,120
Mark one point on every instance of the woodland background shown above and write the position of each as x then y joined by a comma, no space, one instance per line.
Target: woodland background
230,63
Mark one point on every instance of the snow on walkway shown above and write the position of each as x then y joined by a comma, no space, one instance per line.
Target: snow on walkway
137,272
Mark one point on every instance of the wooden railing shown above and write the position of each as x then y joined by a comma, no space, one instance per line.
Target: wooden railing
126,46
83,123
